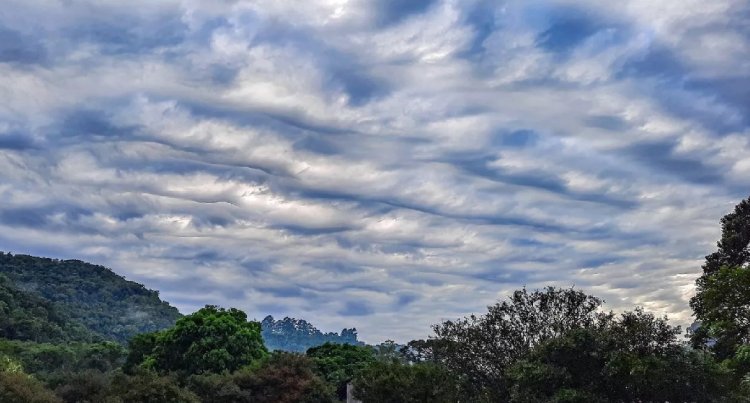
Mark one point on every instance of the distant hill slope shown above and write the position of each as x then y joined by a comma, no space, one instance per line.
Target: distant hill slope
60,295
298,335
29,317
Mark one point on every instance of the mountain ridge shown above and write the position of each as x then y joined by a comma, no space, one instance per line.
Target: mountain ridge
109,306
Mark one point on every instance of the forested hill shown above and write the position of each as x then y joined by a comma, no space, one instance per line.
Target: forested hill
298,335
51,299
28,317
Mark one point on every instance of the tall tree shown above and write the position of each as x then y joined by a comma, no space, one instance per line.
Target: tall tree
722,300
211,340
735,238
722,305
340,363
633,358
482,348
298,335
279,378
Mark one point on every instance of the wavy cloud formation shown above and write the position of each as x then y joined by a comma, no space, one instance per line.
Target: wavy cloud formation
378,164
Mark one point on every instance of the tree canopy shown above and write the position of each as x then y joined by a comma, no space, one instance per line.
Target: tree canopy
722,300
733,248
481,348
635,357
211,340
340,363
298,335
27,316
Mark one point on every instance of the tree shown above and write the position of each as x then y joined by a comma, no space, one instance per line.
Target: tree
634,358
26,316
210,340
279,378
340,363
735,237
149,388
17,387
722,302
482,348
297,335
395,382
41,359
85,386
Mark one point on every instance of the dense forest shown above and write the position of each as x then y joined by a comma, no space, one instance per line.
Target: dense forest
105,304
298,335
546,345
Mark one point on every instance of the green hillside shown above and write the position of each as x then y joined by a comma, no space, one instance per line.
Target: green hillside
26,316
66,299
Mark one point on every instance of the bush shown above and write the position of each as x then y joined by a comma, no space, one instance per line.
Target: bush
280,378
17,387
394,382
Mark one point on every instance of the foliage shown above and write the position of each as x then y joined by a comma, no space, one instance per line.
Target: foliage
297,335
210,340
8,364
340,363
84,386
482,348
26,316
17,387
280,377
722,304
389,350
91,296
733,246
395,382
146,387
42,359
634,358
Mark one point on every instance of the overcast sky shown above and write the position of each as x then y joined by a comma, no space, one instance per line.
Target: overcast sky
376,164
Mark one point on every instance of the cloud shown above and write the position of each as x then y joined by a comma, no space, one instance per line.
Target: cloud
378,165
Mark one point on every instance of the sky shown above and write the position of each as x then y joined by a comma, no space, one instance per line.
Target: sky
383,165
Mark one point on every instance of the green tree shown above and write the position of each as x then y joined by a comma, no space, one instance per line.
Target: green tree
635,357
17,387
140,352
147,387
340,363
211,340
43,359
279,378
722,304
733,248
482,348
298,335
26,316
395,382
84,386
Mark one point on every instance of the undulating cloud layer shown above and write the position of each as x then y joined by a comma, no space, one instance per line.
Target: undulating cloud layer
378,164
